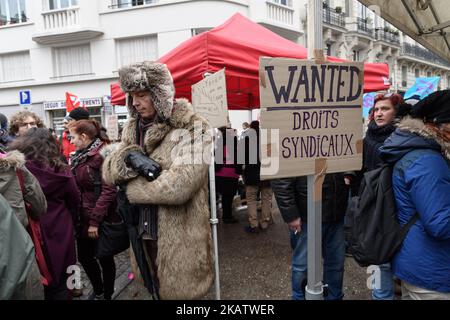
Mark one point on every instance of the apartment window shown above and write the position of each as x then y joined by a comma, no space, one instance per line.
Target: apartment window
136,50
417,73
72,61
428,74
404,76
61,4
12,11
328,49
15,66
362,11
131,3
287,3
197,31
355,55
347,8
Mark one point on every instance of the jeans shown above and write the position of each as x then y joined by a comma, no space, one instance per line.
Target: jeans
386,285
333,252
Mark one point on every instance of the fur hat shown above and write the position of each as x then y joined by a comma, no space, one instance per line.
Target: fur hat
151,76
435,108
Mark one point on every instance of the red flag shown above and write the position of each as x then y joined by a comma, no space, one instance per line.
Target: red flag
72,102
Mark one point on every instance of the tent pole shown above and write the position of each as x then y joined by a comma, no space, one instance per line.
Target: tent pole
214,221
314,287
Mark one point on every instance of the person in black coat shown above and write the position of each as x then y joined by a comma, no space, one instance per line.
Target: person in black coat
388,109
253,184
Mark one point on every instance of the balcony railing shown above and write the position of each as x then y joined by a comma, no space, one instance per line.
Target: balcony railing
382,35
363,26
61,19
423,54
330,16
280,13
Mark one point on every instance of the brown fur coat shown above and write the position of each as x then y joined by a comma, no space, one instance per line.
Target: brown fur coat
185,261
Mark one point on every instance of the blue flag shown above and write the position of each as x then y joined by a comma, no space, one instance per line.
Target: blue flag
368,102
422,87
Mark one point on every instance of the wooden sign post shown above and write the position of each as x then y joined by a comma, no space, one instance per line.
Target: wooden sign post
316,108
209,99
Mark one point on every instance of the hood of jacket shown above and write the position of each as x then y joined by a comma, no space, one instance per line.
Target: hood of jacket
153,77
11,160
412,134
49,179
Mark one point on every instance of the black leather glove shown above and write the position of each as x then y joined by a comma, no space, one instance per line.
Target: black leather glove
142,164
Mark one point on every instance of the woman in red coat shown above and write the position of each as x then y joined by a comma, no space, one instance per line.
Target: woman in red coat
98,204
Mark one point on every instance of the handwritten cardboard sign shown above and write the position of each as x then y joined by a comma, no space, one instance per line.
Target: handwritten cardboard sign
112,125
317,110
209,98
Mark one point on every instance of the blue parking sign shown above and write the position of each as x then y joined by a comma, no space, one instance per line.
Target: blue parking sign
25,98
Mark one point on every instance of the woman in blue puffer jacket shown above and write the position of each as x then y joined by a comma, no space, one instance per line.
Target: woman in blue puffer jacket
420,151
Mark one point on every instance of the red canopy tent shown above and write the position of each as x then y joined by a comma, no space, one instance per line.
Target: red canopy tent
237,45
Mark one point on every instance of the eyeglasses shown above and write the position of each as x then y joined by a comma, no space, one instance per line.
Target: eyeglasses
26,124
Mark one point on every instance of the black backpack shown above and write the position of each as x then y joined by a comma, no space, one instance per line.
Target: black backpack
375,234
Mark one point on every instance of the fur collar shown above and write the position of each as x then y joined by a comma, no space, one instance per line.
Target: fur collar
417,126
182,117
12,160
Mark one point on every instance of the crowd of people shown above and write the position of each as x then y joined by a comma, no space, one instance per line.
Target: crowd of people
63,191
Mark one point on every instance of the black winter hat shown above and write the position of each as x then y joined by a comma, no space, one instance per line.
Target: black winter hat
435,108
78,114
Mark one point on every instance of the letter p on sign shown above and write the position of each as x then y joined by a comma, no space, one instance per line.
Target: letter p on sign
25,98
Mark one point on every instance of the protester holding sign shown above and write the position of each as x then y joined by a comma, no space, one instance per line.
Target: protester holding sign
316,112
291,196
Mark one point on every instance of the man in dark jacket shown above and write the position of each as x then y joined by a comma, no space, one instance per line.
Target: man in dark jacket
291,196
251,172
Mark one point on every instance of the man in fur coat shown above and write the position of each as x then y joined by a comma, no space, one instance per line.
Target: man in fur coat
173,208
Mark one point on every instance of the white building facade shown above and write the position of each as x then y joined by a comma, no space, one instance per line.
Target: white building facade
49,47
